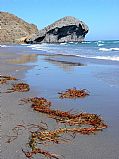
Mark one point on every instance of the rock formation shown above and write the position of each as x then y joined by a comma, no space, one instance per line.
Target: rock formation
14,29
64,30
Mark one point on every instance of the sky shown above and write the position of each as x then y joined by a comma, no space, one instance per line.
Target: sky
101,16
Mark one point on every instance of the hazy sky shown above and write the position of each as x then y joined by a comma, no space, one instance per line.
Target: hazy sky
102,16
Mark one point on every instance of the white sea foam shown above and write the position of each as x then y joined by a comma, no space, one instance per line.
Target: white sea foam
116,49
3,46
37,45
71,42
42,47
112,58
107,58
104,49
34,46
100,44
24,44
63,43
86,42
109,49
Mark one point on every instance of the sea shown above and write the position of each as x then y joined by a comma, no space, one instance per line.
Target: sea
101,50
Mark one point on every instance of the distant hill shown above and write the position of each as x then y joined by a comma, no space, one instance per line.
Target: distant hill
14,29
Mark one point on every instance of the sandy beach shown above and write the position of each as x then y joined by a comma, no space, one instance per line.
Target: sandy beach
59,79
47,76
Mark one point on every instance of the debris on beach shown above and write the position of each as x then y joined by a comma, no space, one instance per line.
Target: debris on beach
73,93
41,135
19,87
56,136
44,106
20,128
40,151
4,79
73,124
69,118
37,101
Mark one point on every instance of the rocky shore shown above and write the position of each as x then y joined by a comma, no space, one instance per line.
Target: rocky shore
16,30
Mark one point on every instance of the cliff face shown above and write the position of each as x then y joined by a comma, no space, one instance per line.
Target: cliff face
14,29
64,30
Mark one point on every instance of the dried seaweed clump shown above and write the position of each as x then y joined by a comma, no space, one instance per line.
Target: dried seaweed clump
73,93
40,151
20,87
39,102
80,123
55,136
44,106
4,79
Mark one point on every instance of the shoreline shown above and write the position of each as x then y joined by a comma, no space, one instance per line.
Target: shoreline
99,146
13,114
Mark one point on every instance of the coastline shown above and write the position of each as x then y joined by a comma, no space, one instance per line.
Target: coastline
102,145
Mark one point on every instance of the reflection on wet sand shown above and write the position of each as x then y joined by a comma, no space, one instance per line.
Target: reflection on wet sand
65,65
23,59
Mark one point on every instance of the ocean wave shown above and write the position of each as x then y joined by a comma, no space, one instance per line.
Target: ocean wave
38,45
99,41
24,44
107,58
34,46
86,42
3,46
111,58
63,43
42,47
71,42
100,44
116,41
109,49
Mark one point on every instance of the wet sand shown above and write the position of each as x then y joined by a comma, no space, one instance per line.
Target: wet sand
52,78
13,114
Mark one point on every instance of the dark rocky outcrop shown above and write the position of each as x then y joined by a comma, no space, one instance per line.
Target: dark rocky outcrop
14,29
64,30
